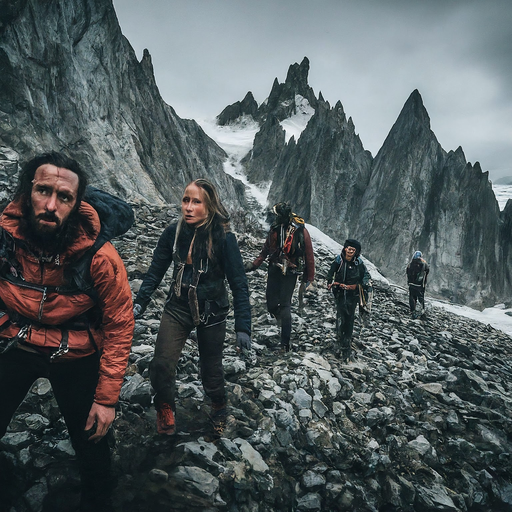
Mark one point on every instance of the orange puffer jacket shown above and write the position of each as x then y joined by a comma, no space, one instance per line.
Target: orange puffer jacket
48,310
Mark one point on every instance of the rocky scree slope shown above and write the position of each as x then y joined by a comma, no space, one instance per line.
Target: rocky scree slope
421,420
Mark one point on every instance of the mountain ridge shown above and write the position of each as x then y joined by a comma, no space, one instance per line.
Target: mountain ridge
390,201
71,81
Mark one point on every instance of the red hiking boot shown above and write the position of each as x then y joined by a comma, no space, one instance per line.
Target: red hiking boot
165,423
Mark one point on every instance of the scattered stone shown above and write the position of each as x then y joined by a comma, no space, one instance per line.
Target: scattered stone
420,420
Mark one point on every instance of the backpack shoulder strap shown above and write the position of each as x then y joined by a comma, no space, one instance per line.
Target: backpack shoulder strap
116,217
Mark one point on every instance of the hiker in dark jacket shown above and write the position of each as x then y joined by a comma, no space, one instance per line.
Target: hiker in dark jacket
204,252
346,274
289,251
417,272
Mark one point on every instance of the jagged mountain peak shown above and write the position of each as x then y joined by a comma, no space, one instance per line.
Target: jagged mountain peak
283,101
412,128
246,107
414,109
339,106
298,74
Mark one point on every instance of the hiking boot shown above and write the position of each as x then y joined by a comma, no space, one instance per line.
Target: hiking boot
218,418
165,422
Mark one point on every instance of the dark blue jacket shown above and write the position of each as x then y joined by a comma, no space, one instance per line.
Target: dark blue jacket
211,289
350,273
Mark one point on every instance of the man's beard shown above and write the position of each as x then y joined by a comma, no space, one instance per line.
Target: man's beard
46,239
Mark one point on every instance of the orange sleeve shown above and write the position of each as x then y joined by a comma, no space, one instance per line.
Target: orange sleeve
115,301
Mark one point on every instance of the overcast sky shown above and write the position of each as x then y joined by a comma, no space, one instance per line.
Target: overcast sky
369,54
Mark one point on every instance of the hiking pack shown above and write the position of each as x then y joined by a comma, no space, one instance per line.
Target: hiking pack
292,244
416,272
116,217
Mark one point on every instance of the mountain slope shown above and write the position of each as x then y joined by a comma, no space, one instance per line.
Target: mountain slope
70,81
420,197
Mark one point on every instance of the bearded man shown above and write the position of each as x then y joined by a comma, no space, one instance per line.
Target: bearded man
77,338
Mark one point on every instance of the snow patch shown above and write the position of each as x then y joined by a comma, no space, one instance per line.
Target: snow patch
235,139
295,125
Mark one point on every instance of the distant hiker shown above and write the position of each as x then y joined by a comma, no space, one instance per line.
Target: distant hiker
290,254
417,272
65,311
346,276
204,252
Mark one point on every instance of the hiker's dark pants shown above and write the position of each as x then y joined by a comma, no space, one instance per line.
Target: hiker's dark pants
74,384
175,326
279,299
346,303
416,294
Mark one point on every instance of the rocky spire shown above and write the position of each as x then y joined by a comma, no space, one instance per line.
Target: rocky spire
325,173
420,197
246,107
281,102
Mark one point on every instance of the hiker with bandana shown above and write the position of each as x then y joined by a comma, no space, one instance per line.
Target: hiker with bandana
289,251
346,277
204,252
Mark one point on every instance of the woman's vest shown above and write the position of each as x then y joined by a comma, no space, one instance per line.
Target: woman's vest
202,284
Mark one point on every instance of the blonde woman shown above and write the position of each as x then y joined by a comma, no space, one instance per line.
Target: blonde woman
204,252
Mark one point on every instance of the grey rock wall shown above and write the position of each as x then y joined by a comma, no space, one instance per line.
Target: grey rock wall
71,81
420,197
324,174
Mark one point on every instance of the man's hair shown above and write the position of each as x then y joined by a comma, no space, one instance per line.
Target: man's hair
28,171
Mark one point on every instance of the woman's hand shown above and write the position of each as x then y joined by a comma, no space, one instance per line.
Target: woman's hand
243,341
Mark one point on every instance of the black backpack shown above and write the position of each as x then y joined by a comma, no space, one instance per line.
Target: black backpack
116,217
416,271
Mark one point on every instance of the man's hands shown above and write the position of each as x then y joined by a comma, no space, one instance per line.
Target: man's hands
342,286
102,416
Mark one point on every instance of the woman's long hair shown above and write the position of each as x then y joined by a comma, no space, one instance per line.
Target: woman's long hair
217,221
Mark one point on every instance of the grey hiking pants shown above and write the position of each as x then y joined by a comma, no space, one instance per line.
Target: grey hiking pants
175,326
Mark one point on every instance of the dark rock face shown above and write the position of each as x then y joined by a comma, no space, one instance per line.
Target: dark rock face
246,107
324,181
70,81
421,420
260,163
420,197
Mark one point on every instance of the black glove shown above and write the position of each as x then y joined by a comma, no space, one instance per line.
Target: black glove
243,340
249,267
